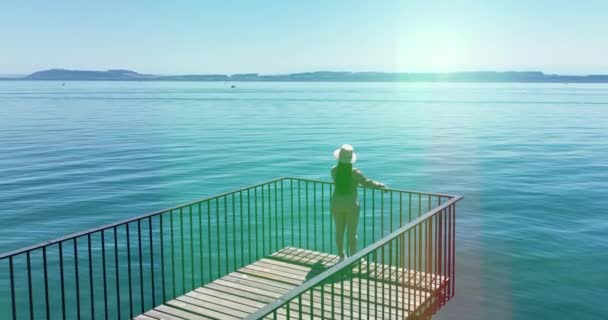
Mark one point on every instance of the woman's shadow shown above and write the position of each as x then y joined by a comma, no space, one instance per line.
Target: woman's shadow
318,268
315,269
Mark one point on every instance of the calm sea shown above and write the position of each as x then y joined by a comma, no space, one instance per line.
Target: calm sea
530,159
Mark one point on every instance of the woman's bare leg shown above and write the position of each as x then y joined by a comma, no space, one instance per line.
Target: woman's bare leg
340,222
352,223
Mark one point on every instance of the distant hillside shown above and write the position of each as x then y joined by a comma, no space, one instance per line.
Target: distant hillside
479,76
63,74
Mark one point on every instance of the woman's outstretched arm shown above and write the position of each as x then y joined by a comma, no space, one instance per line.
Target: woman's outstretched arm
367,182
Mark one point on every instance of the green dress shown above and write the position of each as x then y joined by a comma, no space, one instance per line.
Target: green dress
349,203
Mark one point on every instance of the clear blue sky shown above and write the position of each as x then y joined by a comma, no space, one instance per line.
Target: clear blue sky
280,36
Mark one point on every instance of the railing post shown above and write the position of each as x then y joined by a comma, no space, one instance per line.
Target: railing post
182,250
217,230
248,225
200,242
307,218
323,222
162,258
276,217
401,251
47,306
234,251
191,248
62,280
453,277
29,286
12,279
262,224
141,269
91,288
130,286
299,214
104,273
152,278
227,267
242,231
314,195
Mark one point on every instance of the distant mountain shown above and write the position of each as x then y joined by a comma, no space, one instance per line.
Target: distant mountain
63,74
332,76
478,76
195,77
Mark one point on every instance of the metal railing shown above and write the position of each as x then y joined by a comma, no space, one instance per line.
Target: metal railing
414,267
123,269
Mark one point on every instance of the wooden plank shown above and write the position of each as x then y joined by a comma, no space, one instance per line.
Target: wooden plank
170,313
412,278
277,284
387,287
144,317
281,291
261,283
208,309
223,302
307,257
384,302
261,273
275,269
157,314
253,290
380,292
226,297
246,284
278,271
377,270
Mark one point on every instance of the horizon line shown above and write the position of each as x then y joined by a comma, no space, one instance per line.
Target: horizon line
15,74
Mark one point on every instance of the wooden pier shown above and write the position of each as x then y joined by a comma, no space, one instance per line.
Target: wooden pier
371,291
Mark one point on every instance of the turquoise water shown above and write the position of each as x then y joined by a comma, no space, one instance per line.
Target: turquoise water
530,159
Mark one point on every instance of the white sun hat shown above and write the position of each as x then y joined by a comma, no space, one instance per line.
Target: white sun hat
345,154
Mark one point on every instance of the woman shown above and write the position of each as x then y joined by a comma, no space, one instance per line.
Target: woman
345,199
